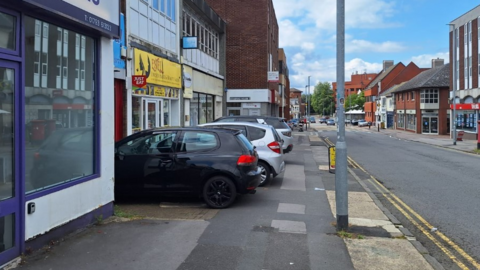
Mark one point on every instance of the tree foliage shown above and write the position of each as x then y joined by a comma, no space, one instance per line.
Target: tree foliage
323,101
354,102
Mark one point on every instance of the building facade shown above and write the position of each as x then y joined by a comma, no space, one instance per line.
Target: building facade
357,83
390,75
153,86
251,52
56,76
465,76
297,110
284,85
204,64
421,104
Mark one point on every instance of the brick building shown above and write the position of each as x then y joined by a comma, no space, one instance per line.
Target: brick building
284,85
251,52
421,104
297,108
357,82
390,75
464,79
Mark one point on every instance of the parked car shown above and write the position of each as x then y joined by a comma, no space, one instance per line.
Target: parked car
277,122
322,120
363,123
354,122
330,122
268,144
67,154
213,163
312,119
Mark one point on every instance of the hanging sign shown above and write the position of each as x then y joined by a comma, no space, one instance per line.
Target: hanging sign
139,83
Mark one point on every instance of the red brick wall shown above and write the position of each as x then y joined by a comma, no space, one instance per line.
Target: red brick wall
252,34
406,74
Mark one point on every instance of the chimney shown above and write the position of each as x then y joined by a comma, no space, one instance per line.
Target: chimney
437,62
387,64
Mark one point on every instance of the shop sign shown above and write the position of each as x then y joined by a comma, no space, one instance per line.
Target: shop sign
158,70
103,15
163,92
250,105
273,76
471,106
239,98
138,84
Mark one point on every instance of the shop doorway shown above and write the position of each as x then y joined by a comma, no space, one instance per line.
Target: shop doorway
10,221
152,113
430,125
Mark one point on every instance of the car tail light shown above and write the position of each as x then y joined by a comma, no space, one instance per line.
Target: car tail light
287,133
246,160
275,147
36,156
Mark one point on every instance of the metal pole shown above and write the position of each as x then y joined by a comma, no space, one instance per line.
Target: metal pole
341,184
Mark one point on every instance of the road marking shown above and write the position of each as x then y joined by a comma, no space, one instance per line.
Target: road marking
294,178
288,226
426,231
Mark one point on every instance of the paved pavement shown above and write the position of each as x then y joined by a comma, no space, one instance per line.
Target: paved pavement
288,225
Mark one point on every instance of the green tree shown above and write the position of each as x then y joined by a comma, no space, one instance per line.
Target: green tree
322,99
354,102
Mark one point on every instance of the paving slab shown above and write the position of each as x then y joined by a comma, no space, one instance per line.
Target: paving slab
360,205
383,253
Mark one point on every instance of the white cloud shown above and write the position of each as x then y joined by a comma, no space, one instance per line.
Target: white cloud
358,13
308,46
425,60
361,46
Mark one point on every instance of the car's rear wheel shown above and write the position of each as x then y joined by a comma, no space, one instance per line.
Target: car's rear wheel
219,192
265,172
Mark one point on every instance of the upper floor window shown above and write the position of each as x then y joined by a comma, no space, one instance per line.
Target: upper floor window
412,95
208,38
429,96
155,4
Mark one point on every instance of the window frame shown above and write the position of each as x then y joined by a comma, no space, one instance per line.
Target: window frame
18,34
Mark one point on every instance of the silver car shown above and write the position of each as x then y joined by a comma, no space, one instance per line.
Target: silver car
278,123
267,142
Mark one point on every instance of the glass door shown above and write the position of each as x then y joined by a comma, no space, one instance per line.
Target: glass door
430,125
426,125
150,113
9,182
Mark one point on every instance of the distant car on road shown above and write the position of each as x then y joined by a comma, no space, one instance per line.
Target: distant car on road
354,122
330,122
363,123
322,120
312,119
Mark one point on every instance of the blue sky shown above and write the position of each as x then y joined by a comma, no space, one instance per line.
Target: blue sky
375,30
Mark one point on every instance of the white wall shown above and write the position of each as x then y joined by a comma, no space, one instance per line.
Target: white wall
63,206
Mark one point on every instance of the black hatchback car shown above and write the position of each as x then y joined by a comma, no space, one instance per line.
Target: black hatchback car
213,163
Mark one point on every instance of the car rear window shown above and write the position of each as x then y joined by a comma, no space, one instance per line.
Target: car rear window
255,133
245,142
277,123
243,129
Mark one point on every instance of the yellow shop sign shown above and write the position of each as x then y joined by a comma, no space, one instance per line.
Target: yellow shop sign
158,70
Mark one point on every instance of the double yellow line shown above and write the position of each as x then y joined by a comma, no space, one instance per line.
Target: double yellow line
424,226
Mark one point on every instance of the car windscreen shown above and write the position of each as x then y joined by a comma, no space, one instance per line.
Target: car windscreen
277,123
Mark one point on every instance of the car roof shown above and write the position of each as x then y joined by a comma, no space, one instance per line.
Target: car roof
239,123
196,128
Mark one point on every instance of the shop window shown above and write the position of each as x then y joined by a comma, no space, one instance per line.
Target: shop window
411,122
401,121
59,124
8,32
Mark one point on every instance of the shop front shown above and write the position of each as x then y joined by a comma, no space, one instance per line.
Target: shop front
430,122
50,84
251,102
203,97
466,119
155,102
